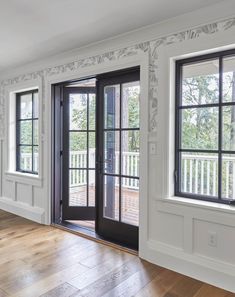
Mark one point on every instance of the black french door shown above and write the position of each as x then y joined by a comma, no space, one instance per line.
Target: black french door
100,154
118,157
79,133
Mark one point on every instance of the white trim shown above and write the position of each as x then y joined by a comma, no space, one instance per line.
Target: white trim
24,178
22,209
206,15
141,60
217,273
9,166
199,204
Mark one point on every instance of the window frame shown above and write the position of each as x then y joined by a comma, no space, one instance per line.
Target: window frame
18,130
178,127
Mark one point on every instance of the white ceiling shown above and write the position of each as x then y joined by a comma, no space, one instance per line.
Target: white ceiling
35,29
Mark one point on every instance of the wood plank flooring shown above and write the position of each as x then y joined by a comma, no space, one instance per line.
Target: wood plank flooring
38,260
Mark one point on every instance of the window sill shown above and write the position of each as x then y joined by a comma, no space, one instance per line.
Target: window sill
200,204
25,178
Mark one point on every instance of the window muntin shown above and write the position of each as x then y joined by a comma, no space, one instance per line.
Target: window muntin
205,127
27,136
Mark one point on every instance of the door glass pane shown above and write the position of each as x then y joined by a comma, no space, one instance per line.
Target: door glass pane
229,79
228,128
26,158
92,150
112,107
200,83
92,111
130,153
111,152
26,106
199,173
35,159
78,149
77,187
78,111
111,197
200,128
26,132
130,105
130,201
228,176
91,188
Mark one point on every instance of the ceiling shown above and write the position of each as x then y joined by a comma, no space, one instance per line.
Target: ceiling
36,29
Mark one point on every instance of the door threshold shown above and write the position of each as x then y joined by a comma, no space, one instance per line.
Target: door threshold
92,235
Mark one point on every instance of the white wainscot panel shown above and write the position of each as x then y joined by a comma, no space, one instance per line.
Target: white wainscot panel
222,244
9,189
39,195
167,228
24,193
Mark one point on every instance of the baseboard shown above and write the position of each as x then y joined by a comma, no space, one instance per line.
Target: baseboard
208,270
24,210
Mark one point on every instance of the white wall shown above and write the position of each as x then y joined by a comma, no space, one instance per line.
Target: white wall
176,229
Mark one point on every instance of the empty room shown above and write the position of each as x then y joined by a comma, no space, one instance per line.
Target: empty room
117,148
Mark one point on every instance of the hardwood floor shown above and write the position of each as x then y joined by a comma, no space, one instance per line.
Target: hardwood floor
38,260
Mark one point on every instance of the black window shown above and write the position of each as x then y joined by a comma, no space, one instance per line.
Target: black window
205,127
27,132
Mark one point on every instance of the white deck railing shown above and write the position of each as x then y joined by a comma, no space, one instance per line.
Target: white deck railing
130,167
199,175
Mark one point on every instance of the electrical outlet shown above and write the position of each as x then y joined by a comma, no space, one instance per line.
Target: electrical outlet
212,238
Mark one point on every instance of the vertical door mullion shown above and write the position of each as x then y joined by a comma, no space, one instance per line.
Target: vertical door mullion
88,150
32,133
120,156
220,129
66,171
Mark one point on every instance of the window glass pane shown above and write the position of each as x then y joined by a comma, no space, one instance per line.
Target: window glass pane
229,79
200,83
130,153
35,105
25,158
200,128
130,201
26,106
228,177
111,197
111,152
199,174
78,111
35,159
92,150
77,188
91,187
229,128
35,132
78,149
112,107
92,111
25,132
130,105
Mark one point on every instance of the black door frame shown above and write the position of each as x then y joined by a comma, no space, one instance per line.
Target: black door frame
73,212
117,231
57,177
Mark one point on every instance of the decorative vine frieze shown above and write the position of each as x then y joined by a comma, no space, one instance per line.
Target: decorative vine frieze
150,47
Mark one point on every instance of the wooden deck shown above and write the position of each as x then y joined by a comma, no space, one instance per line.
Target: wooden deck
44,261
130,205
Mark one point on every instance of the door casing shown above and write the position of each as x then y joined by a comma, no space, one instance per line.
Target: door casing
140,59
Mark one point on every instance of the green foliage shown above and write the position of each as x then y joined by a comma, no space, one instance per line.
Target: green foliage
200,125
